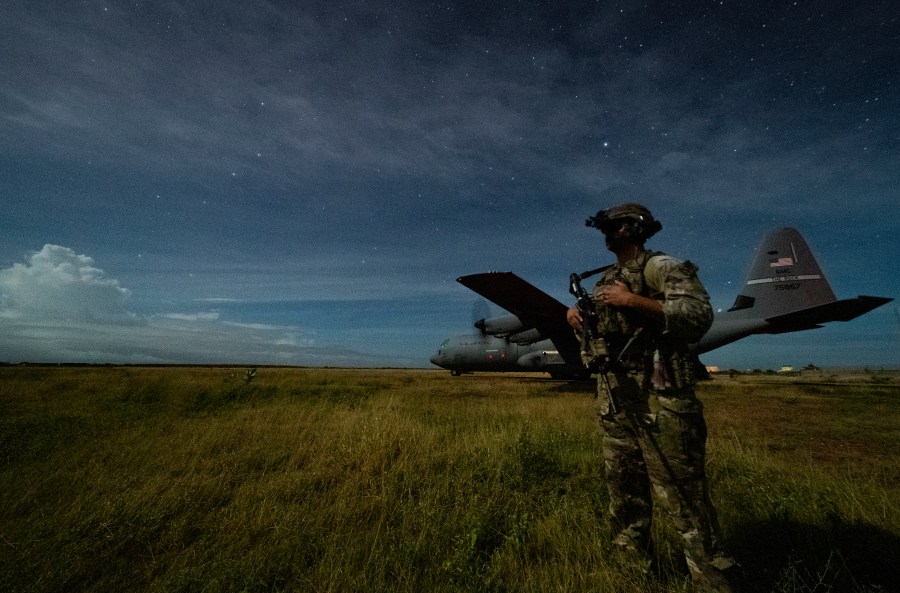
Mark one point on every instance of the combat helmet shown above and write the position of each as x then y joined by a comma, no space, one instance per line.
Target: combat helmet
645,226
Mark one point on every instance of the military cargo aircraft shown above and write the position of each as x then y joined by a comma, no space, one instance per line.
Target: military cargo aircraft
785,291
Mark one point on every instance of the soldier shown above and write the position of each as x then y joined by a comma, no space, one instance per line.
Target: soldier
647,308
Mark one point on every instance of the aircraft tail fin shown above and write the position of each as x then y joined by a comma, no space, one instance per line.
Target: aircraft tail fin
784,277
786,287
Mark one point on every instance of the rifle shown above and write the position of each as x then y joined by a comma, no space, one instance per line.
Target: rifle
589,331
585,304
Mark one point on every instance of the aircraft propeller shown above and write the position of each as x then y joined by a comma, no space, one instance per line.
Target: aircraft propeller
480,311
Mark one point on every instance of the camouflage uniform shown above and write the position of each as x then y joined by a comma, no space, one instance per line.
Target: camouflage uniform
654,433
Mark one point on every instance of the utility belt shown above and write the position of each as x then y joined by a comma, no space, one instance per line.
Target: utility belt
662,368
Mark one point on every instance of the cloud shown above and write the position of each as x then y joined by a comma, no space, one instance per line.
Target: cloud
207,316
59,306
56,283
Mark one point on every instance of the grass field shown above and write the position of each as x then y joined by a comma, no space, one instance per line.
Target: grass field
198,479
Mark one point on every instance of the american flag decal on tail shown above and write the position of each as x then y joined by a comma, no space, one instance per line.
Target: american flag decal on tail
781,261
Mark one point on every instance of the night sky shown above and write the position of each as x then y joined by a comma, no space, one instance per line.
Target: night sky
302,182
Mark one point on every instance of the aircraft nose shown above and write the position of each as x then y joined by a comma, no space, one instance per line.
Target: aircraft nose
434,360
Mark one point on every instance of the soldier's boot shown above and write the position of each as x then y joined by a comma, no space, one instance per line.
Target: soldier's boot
713,576
710,580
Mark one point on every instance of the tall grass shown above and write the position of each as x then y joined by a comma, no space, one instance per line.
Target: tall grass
128,479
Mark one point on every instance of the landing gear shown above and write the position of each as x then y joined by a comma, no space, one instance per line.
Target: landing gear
583,376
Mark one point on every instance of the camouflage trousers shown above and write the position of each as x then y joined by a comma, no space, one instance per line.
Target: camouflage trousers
654,446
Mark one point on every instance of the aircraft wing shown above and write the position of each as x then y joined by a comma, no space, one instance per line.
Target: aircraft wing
532,306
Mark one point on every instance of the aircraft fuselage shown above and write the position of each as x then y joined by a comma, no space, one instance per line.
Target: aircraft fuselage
485,352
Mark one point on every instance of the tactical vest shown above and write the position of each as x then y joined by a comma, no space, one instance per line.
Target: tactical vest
632,341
